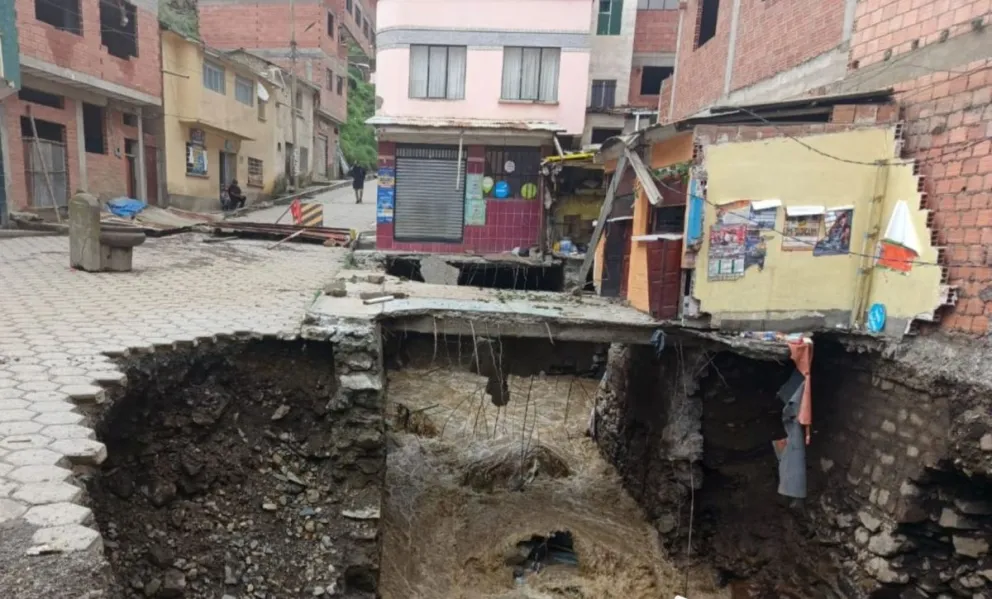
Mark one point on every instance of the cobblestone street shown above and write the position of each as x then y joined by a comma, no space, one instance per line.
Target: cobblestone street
60,331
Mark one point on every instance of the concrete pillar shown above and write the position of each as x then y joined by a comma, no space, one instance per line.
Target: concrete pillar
142,191
84,181
728,73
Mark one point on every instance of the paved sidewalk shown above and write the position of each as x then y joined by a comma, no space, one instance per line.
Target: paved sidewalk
340,209
60,329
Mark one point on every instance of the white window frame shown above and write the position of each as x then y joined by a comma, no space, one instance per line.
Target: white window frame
426,70
657,4
212,73
544,89
244,89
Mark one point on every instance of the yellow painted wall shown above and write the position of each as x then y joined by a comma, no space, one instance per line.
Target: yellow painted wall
795,283
185,98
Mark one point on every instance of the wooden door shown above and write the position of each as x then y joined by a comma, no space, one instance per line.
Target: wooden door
665,278
617,248
151,175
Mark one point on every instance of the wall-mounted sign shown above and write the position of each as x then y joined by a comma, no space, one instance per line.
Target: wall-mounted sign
509,167
385,200
196,136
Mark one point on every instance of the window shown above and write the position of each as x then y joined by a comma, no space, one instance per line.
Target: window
330,24
129,120
340,85
348,5
651,78
517,166
299,100
708,12
330,80
358,15
531,74
93,129
65,15
261,109
119,28
365,28
599,135
213,77
657,4
39,97
608,22
255,178
604,92
244,91
437,72
667,219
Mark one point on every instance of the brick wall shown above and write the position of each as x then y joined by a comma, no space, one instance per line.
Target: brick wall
700,71
268,26
948,127
895,26
84,53
776,35
510,223
107,174
656,31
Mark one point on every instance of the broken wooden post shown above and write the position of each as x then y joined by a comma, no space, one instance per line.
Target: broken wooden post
604,214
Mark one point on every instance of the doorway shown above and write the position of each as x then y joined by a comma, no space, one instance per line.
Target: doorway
131,153
45,163
228,169
616,257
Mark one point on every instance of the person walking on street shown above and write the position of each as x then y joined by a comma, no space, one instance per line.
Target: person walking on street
357,173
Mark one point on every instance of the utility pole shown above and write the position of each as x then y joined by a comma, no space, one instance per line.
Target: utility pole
293,161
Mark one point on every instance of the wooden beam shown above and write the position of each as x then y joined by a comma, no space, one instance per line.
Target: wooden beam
644,176
604,214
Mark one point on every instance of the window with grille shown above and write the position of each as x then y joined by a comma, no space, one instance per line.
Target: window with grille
330,80
609,18
244,91
213,77
530,74
604,92
340,89
330,24
255,178
517,166
65,15
437,72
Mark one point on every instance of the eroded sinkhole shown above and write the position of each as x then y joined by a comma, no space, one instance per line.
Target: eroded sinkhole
230,473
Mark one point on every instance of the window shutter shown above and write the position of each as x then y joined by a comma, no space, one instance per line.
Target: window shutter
418,72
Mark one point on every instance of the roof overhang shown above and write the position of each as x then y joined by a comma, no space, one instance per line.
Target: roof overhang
220,130
440,130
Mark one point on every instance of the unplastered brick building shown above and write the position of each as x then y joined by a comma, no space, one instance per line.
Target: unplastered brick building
91,84
935,55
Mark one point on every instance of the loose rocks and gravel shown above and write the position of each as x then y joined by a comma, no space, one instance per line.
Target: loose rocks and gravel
227,476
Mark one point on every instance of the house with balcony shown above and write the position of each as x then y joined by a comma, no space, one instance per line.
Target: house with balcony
471,97
90,85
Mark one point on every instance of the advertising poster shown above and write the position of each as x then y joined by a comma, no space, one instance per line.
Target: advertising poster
727,251
755,249
764,218
801,233
734,213
475,212
385,200
837,241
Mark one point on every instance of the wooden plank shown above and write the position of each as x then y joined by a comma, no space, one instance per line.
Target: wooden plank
644,176
604,214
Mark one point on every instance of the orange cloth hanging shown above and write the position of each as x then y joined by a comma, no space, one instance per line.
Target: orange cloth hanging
802,356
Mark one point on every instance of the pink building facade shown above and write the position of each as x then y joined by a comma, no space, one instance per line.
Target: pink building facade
472,93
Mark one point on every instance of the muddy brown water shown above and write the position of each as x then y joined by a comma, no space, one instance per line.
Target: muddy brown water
466,482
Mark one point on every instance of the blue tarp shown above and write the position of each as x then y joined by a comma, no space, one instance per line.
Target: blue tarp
125,207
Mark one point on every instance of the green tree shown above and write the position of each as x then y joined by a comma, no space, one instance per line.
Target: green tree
358,139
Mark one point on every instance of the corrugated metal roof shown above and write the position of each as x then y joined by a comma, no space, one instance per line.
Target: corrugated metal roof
455,123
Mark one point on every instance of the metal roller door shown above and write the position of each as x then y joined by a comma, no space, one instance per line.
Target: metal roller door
428,207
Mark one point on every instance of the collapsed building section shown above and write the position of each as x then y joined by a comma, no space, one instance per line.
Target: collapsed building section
897,480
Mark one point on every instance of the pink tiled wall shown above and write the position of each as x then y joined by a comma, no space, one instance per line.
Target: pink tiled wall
510,223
